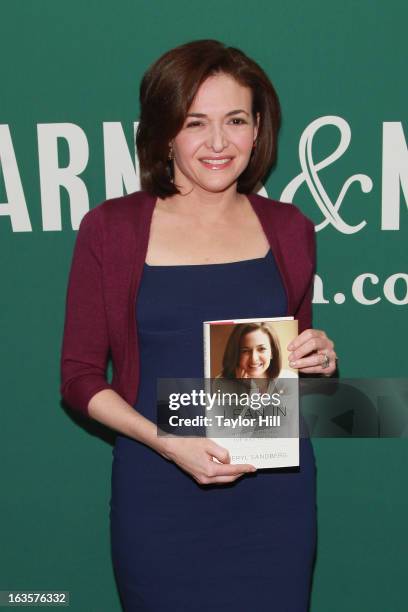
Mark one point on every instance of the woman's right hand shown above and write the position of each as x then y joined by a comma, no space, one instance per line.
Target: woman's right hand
196,457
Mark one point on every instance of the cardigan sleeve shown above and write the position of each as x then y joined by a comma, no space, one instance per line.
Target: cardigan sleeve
85,344
304,310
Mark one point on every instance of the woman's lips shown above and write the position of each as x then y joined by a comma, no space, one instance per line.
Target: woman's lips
216,163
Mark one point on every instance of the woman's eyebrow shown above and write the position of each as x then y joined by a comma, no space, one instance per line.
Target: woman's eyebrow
236,112
257,346
233,112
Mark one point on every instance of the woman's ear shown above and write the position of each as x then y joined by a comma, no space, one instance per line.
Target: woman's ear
257,122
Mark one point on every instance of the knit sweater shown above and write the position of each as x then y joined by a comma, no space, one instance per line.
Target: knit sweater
105,275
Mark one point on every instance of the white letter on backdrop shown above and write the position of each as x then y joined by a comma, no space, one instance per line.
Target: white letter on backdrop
52,177
15,207
389,289
328,205
318,297
357,288
120,170
394,174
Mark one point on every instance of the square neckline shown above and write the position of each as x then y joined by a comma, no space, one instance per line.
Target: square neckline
147,266
215,265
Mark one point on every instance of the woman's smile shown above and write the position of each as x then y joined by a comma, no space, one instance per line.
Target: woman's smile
255,354
257,366
216,163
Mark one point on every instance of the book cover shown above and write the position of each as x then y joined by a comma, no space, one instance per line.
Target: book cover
255,406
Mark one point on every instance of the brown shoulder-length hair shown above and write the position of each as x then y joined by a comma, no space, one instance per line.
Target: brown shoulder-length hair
166,94
232,350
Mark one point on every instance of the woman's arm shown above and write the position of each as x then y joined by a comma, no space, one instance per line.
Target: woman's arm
109,408
312,352
85,345
84,357
193,455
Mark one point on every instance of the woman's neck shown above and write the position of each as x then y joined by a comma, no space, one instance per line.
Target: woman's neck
206,205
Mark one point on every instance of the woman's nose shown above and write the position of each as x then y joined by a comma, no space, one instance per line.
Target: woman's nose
217,140
254,357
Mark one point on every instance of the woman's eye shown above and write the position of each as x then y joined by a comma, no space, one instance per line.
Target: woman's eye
194,124
238,121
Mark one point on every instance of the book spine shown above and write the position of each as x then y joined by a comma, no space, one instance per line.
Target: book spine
207,350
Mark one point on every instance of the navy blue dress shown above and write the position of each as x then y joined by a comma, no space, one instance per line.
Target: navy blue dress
182,547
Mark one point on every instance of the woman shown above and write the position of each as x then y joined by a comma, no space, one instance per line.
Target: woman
252,351
252,363
147,270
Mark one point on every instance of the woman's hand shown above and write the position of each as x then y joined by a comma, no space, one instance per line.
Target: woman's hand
195,456
312,352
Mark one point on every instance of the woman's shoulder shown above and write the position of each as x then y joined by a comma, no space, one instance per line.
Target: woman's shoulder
125,206
284,223
283,212
115,213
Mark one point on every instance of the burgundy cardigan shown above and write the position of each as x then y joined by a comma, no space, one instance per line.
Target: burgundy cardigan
106,270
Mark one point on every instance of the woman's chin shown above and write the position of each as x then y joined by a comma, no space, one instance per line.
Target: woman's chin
256,374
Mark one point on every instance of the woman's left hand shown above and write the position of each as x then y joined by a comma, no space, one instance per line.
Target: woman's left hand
312,352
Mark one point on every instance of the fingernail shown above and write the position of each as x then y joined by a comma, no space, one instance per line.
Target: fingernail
290,347
292,364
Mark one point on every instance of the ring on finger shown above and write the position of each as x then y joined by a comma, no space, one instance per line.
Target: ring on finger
326,361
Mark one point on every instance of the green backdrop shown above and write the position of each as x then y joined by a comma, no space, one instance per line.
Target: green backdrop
69,68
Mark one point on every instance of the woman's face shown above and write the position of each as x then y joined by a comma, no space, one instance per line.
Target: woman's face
255,355
215,143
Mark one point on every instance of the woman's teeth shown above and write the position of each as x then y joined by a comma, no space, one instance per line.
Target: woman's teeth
216,162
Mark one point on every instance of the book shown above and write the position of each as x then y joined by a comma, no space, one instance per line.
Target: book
254,410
